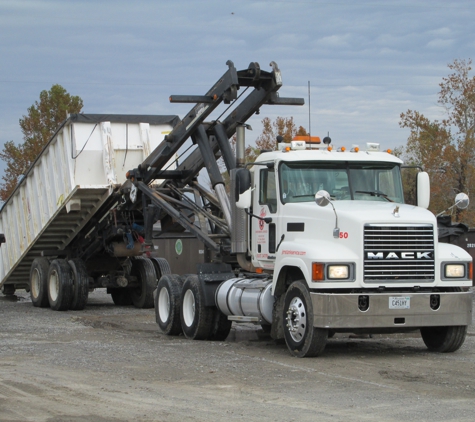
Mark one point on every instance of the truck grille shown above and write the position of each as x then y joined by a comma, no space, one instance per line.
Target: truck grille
398,253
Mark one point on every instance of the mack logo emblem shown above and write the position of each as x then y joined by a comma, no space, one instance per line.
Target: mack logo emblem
399,255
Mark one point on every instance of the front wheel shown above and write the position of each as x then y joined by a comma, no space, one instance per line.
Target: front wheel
302,338
444,339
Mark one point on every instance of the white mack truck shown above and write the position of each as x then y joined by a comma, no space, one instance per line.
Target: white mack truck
311,240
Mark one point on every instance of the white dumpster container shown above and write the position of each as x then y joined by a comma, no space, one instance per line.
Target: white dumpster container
84,162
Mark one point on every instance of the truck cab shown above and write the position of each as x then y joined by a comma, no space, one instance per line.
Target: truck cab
368,262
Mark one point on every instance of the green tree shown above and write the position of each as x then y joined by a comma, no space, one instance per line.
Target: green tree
38,126
446,148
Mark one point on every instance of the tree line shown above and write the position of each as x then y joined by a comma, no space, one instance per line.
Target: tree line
444,148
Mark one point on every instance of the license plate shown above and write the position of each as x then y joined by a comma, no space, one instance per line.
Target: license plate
396,302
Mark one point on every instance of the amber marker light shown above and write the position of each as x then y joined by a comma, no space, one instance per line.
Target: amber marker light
342,149
259,270
470,271
318,271
329,148
389,151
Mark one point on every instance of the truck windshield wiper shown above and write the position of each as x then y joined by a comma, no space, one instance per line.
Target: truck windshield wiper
375,193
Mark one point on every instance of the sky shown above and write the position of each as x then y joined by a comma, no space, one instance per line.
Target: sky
366,61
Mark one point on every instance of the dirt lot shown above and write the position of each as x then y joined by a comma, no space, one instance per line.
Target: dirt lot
111,364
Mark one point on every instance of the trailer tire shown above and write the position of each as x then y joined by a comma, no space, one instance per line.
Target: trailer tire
39,282
8,289
301,337
196,318
121,297
221,326
162,267
142,296
80,284
444,339
60,285
168,304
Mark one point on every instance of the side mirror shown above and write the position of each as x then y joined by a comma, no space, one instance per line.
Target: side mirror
322,198
423,189
242,188
462,201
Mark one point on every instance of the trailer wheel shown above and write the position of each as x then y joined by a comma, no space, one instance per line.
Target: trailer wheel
142,296
444,339
196,318
80,284
302,338
39,282
121,297
168,304
60,285
221,326
161,265
8,289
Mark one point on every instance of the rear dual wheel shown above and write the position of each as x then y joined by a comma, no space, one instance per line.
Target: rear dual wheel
144,270
168,304
198,321
39,282
61,285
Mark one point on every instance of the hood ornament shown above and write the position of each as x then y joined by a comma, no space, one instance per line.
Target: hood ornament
396,212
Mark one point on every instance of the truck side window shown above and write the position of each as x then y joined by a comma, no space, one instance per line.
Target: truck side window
267,191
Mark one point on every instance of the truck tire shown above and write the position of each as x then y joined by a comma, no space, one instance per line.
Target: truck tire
60,285
8,289
221,326
121,297
162,267
80,284
444,339
142,296
168,304
196,318
301,337
39,282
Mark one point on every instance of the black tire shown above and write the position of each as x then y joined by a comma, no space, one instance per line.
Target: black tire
142,296
121,297
221,326
80,284
39,282
60,285
8,289
162,267
301,337
444,339
196,319
168,304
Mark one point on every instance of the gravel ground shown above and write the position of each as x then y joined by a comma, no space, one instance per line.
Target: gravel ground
110,363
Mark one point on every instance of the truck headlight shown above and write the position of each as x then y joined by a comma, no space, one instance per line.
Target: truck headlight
455,271
338,271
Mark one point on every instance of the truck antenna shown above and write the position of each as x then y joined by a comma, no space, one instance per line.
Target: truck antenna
309,119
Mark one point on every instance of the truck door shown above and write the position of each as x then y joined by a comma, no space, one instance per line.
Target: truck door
265,205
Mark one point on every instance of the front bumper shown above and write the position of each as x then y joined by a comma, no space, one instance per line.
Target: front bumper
340,311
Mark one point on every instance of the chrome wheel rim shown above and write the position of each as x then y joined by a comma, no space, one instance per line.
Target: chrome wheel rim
296,319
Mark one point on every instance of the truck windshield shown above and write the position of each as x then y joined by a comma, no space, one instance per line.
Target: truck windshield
299,181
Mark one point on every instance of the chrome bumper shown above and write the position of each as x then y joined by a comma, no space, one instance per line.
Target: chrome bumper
341,310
